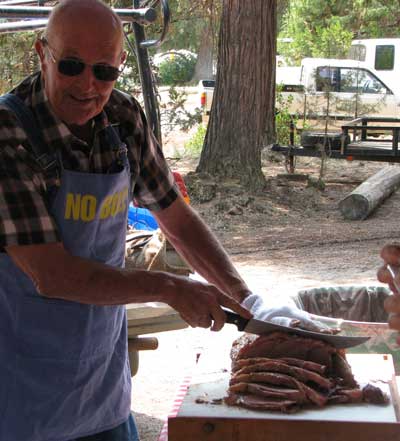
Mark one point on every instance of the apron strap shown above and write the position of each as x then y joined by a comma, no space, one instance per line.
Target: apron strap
47,161
116,145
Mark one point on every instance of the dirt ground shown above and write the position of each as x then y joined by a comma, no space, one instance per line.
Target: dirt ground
289,237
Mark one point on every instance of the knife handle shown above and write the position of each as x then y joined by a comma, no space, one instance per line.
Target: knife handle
235,319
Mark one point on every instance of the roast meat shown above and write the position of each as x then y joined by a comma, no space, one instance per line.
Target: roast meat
285,372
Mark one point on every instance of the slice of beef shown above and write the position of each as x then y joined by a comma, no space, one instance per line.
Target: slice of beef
269,391
279,345
309,365
260,403
243,362
281,380
315,397
342,395
266,377
279,366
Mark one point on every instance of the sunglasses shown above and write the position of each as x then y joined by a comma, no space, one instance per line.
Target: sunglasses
72,67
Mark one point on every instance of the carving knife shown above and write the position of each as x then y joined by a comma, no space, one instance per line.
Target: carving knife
260,327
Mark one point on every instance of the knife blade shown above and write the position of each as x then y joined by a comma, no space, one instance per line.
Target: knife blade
259,327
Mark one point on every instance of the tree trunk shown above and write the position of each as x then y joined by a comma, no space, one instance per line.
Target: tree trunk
370,194
204,63
244,96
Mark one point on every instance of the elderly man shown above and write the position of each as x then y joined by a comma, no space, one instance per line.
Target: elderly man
73,151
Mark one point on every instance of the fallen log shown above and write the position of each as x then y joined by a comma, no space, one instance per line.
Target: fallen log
361,202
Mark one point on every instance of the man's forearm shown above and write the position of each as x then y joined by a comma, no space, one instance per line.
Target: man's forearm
196,243
56,273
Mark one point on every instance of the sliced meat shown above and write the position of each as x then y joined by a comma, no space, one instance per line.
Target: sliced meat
309,365
284,372
269,391
314,396
281,380
346,396
260,403
243,362
265,377
280,345
281,367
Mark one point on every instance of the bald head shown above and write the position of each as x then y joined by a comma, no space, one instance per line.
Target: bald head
71,15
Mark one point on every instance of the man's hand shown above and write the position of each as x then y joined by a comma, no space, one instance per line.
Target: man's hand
199,303
283,315
391,257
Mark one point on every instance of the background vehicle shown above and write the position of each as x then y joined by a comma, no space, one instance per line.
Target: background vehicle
380,54
326,88
339,89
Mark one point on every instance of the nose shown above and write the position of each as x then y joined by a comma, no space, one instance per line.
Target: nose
86,79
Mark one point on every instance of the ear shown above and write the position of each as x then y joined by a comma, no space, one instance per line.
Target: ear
39,47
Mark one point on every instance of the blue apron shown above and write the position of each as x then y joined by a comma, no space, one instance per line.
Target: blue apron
64,369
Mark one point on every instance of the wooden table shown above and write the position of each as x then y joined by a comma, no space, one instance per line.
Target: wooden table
148,318
219,422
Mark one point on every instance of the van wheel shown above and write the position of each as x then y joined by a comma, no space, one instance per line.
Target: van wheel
310,139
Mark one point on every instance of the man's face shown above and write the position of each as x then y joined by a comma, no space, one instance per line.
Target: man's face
77,99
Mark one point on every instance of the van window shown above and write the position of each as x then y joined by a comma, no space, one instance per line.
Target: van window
353,80
357,52
208,83
384,57
327,79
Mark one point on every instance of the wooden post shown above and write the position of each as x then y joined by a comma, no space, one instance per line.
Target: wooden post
361,202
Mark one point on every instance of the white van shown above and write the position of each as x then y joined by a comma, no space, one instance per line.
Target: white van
382,55
342,89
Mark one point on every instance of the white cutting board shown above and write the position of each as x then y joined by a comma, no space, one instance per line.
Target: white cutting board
211,383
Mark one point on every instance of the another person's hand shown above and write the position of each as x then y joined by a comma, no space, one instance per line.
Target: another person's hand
391,256
282,315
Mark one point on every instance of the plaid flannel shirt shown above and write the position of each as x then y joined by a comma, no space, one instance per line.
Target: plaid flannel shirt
24,215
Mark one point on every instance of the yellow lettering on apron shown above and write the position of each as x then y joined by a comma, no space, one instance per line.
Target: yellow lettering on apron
124,199
114,206
73,206
106,207
88,208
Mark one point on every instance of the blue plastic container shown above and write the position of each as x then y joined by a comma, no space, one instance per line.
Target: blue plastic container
141,218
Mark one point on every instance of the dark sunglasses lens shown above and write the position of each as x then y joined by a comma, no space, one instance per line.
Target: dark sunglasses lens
70,67
104,72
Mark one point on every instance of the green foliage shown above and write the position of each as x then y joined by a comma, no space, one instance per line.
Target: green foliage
174,114
17,58
325,28
176,69
283,118
189,17
194,146
332,41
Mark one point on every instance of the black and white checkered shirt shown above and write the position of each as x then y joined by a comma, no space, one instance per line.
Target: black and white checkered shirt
24,216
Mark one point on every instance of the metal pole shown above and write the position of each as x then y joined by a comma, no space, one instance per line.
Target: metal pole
149,98
140,15
20,2
28,25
